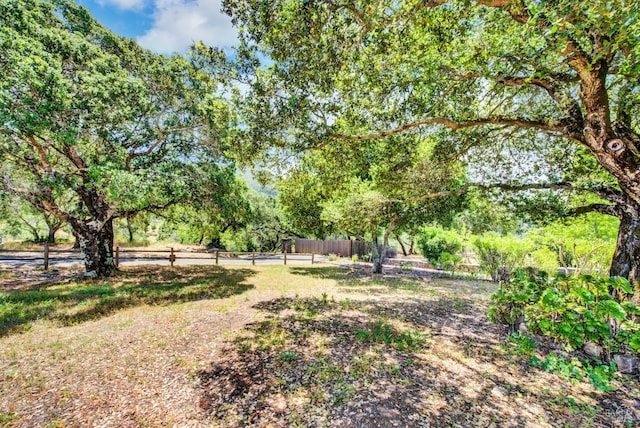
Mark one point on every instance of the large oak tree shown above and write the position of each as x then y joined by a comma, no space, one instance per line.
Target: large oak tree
552,86
85,111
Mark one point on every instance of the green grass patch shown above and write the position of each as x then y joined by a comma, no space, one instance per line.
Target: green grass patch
7,418
381,332
76,302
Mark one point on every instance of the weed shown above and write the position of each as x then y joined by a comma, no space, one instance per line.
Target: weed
342,391
383,333
325,299
325,371
7,418
459,305
346,304
363,365
600,376
525,345
288,356
271,335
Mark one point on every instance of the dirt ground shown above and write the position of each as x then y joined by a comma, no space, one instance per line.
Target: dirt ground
285,346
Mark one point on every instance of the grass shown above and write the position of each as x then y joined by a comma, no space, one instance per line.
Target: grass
381,332
74,302
277,346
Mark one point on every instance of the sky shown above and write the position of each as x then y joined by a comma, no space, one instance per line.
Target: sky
165,26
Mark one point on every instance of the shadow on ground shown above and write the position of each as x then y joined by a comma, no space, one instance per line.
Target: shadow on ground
359,279
417,360
75,302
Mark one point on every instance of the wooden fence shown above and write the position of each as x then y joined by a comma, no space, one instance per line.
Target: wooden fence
47,255
344,247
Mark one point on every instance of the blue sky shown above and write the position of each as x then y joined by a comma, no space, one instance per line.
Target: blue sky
165,26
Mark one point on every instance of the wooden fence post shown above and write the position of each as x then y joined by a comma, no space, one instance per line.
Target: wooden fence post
172,257
217,257
312,256
117,256
253,258
46,256
285,257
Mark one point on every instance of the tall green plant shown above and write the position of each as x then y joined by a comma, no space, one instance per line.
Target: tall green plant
513,297
581,309
500,255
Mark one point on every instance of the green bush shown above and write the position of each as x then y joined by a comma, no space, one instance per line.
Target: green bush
580,309
440,246
586,243
500,255
524,289
572,310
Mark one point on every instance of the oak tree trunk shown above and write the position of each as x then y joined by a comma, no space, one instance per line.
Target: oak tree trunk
377,254
626,259
76,244
51,237
106,264
87,244
130,229
97,249
404,250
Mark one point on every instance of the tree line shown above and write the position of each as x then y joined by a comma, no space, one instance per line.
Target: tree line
370,119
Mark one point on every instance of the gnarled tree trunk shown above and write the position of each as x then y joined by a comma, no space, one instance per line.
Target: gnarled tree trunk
96,245
626,259
104,244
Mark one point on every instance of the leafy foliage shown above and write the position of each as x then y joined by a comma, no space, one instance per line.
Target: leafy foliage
500,255
382,332
514,296
94,127
586,243
572,310
440,246
529,96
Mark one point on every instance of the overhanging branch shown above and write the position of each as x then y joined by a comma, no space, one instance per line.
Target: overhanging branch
611,210
483,186
455,126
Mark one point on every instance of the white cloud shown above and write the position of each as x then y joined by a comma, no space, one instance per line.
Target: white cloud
124,4
179,23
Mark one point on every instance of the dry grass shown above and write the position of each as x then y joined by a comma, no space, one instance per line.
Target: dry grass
276,346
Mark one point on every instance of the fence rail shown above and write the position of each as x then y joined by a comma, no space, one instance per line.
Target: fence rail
47,255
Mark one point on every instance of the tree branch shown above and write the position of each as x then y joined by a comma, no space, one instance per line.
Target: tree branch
503,186
605,209
513,7
152,208
498,120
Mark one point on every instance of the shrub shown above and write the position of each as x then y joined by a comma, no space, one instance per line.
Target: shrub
439,246
524,289
581,309
572,310
500,255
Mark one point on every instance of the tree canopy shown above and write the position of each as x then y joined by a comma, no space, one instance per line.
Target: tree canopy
90,115
527,94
